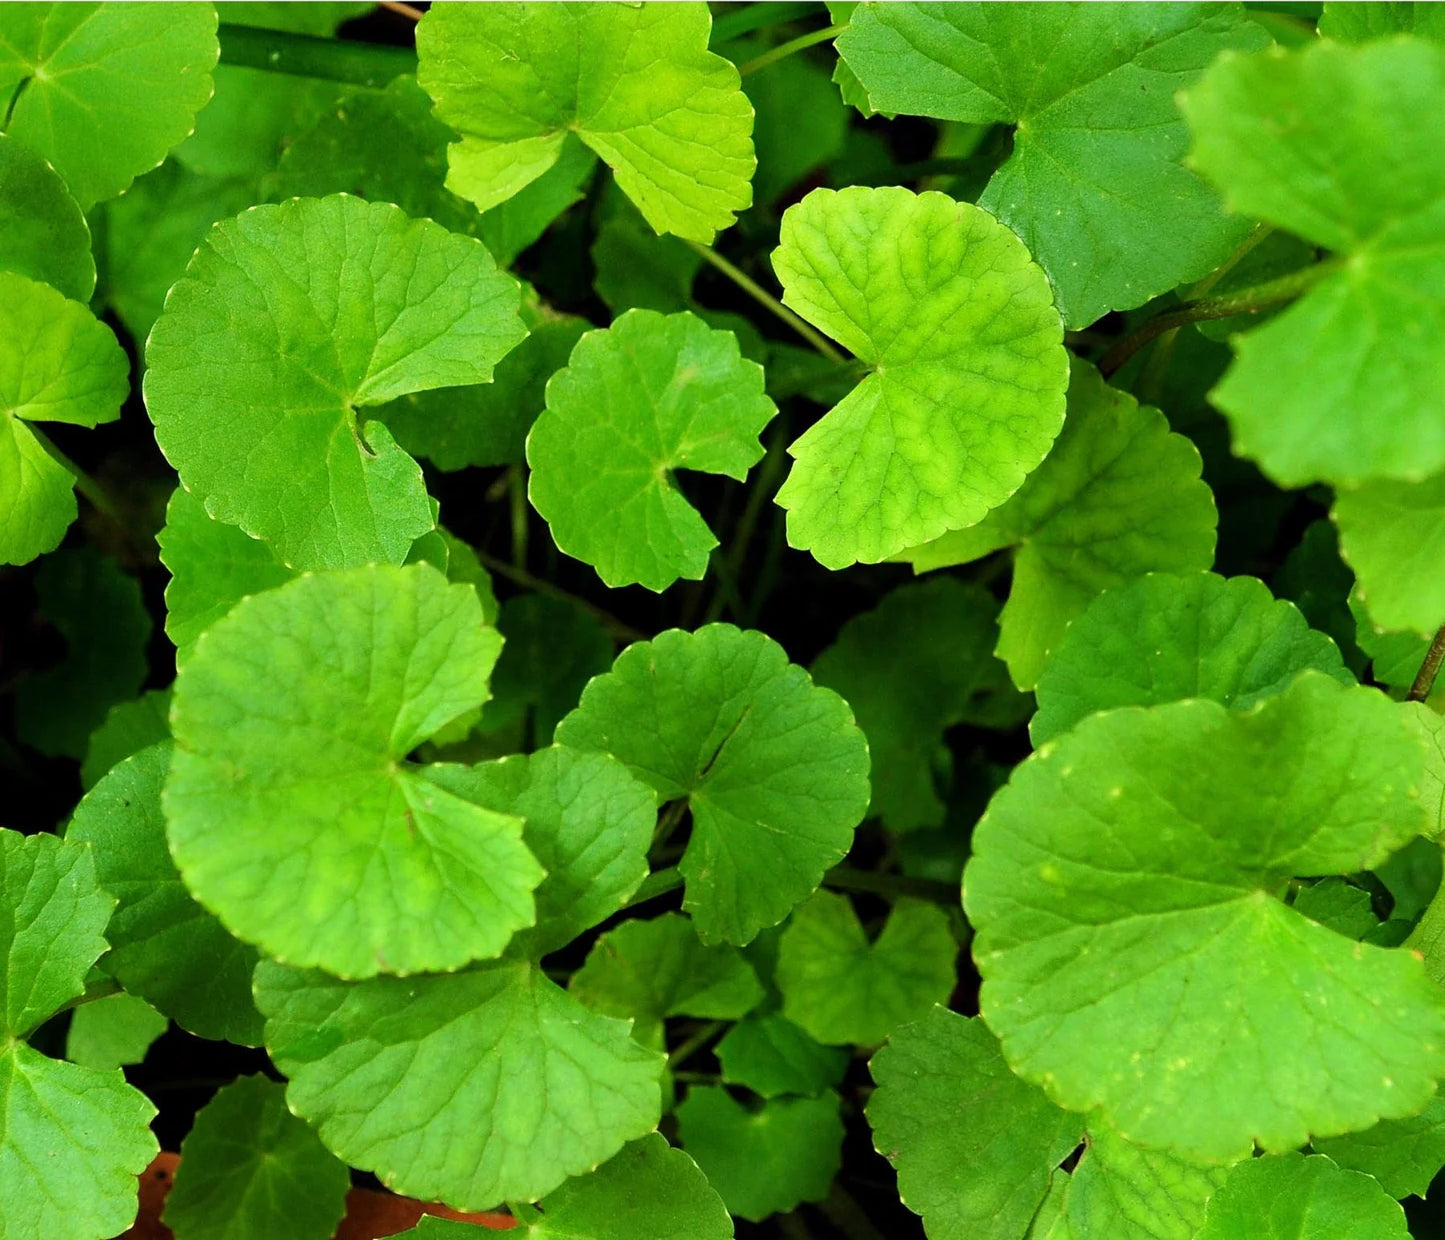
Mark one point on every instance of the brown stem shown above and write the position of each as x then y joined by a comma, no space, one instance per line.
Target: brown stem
1429,669
406,10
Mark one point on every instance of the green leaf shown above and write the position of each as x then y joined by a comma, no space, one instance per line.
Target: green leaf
112,1032
980,1180
250,1168
58,363
1119,496
1338,904
103,91
1095,184
1346,384
43,233
164,947
648,1190
1358,23
72,1139
965,390
1303,1199
588,822
649,395
129,727
843,989
1395,658
800,123
1430,727
650,970
773,767
1164,637
389,1073
255,115
1391,534
99,611
318,18
338,852
1127,868
919,663
1403,1154
772,1056
636,84
289,320
638,269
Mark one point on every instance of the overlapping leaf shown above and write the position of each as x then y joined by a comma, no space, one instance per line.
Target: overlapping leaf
1404,1155
1358,23
635,83
1095,184
1303,1199
43,233
1391,534
112,1032
772,1056
967,370
773,767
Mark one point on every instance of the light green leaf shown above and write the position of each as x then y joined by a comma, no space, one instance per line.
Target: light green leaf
843,989
1395,658
1095,184
43,233
919,663
99,611
339,853
1347,384
1303,1199
764,1160
1119,496
773,767
103,91
588,822
980,1180
58,363
772,1056
1164,637
289,320
164,947
389,1073
1403,1154
1430,727
1358,23
1391,534
112,1032
649,395
636,84
1127,868
250,1168
129,727
72,1139
511,226
967,370
650,970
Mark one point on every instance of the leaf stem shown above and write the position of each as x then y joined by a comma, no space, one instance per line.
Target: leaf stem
695,1043
91,489
792,45
757,17
406,10
765,299
101,988
845,878
301,55
658,883
1245,301
1429,669
730,566
517,497
618,628
667,823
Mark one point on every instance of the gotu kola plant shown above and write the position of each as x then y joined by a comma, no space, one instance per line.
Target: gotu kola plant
470,722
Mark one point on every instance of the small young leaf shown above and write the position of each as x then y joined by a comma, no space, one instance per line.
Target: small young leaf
1403,1154
967,370
1303,1199
112,1032
843,989
389,1072
763,1161
774,769
250,1168
337,852
772,1056
1343,907
43,233
649,395
636,84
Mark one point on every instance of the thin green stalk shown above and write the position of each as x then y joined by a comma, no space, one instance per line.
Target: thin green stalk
1429,669
728,568
656,884
784,50
517,496
847,1215
758,17
618,628
667,823
765,299
695,1043
336,60
524,1213
93,492
845,878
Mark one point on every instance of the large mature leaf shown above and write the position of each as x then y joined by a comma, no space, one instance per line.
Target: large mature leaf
635,83
773,767
58,363
1095,184
289,320
1119,496
72,1139
1302,1199
1348,383
1164,637
966,365
103,91
338,852
649,395
1126,870
389,1072
43,233
163,946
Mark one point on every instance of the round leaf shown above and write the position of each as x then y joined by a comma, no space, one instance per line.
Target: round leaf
967,370
43,233
1127,868
1303,1199
336,852
774,769
288,321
